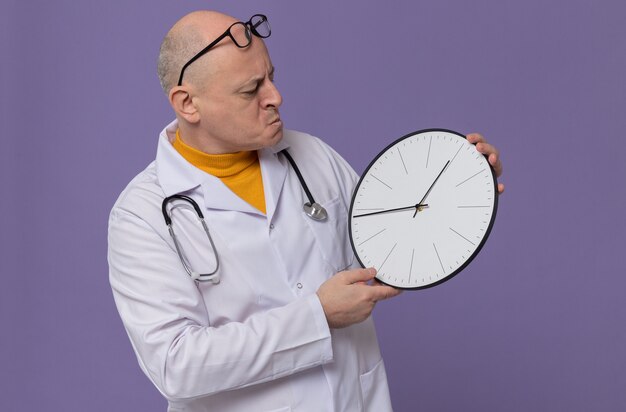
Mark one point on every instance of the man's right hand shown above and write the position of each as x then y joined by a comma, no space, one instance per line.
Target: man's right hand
348,298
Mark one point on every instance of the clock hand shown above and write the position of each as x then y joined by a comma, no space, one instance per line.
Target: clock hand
430,188
393,210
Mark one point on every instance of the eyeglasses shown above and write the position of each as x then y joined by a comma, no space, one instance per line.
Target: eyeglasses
240,33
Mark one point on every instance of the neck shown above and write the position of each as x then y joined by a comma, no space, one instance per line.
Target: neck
195,137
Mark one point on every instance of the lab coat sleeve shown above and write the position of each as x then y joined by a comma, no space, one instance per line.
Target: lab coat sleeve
166,321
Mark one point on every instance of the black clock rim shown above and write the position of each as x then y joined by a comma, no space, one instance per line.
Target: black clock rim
482,242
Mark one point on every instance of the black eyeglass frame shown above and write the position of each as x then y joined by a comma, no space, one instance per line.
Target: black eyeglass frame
248,27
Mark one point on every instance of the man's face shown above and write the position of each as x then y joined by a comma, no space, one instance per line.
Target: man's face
238,102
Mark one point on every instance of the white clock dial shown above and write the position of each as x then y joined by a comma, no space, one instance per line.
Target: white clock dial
423,209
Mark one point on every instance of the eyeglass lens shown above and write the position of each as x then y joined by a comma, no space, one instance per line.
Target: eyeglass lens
240,34
260,26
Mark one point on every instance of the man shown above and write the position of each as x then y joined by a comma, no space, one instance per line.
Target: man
287,327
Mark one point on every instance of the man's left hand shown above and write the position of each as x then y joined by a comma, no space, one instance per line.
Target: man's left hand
493,155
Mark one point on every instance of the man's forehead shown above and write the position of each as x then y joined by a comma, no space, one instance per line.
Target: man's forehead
246,64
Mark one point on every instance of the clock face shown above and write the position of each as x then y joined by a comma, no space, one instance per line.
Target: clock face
423,209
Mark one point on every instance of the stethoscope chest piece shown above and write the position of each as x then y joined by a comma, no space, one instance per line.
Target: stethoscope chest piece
312,209
315,211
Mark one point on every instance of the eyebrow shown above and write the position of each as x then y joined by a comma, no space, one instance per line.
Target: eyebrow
257,79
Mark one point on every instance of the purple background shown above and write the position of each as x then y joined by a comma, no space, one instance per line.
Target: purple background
536,323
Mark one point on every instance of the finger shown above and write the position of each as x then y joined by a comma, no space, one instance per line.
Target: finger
494,160
381,292
358,275
377,282
493,156
486,149
475,138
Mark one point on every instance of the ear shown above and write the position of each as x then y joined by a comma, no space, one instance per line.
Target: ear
182,103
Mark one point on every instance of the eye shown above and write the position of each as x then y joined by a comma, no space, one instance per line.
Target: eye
251,92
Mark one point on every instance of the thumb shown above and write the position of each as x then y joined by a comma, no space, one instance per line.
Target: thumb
359,275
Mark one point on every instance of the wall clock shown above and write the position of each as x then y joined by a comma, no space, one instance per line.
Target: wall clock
423,209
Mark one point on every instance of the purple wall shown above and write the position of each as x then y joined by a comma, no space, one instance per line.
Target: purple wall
536,323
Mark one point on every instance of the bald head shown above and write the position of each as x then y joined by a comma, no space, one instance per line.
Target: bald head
227,101
187,37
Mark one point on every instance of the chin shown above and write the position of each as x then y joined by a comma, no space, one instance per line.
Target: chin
278,136
273,139
267,138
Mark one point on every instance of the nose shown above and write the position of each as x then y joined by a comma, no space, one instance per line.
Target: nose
272,97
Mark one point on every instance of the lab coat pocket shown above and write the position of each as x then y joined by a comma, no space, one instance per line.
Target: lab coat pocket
374,390
332,236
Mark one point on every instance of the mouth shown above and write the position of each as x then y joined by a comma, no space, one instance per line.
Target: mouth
275,119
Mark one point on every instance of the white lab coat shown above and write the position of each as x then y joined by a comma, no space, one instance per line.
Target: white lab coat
258,341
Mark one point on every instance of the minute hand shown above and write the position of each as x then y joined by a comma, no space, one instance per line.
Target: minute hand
392,210
431,187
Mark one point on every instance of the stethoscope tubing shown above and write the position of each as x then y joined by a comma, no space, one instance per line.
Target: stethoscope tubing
202,277
312,209
300,178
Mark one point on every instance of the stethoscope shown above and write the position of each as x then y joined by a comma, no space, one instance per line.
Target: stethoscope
311,208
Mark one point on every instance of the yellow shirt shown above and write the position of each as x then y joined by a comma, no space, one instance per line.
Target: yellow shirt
240,171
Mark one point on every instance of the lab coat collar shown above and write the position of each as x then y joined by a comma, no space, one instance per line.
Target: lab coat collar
273,170
177,175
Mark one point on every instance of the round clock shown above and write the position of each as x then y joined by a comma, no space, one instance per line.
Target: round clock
423,209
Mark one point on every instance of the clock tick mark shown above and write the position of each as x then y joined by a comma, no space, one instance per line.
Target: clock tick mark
411,268
384,261
474,175
381,181
372,237
407,172
462,236
468,207
442,268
